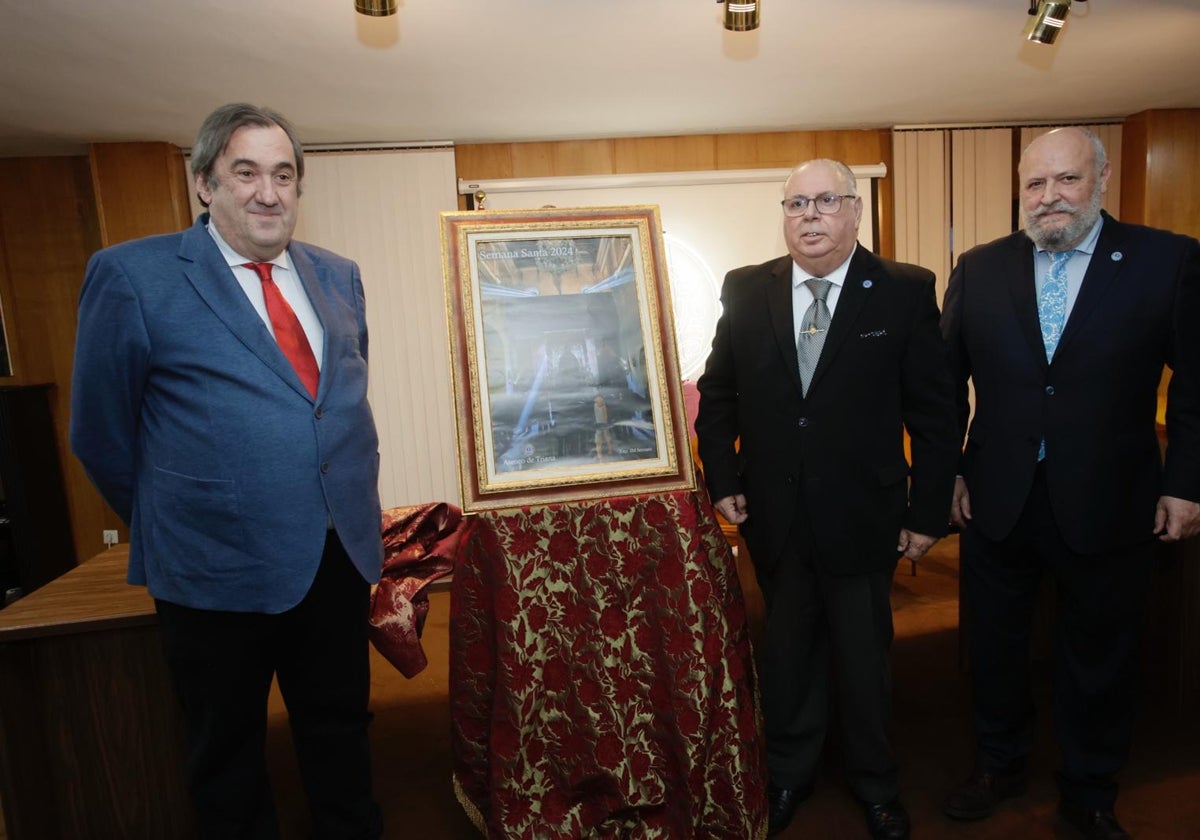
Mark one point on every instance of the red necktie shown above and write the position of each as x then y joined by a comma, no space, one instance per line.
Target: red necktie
288,332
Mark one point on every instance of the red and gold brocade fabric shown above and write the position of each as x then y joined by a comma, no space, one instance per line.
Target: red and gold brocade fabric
601,680
420,544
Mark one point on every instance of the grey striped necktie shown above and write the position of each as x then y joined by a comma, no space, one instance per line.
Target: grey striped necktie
812,330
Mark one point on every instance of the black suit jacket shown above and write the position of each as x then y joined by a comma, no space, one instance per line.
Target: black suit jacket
840,450
1138,309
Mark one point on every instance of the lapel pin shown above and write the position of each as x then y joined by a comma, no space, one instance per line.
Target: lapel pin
1116,256
867,284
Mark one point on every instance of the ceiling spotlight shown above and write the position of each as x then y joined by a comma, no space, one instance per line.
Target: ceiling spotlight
1046,20
742,17
375,8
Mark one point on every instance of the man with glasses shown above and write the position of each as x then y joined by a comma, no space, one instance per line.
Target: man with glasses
820,362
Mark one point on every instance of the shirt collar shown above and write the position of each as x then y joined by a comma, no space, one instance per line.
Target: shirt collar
837,277
236,260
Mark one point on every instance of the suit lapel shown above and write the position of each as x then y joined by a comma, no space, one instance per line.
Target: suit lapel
1019,270
214,282
856,289
310,277
779,305
1102,270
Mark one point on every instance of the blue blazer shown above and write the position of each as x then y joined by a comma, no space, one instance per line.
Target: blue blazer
198,433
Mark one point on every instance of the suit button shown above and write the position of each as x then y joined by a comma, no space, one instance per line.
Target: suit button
1050,390
803,422
319,413
324,466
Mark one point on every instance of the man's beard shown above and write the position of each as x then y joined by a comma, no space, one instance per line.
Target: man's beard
1070,234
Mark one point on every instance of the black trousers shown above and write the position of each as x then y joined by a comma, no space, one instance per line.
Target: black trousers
222,664
827,634
1100,614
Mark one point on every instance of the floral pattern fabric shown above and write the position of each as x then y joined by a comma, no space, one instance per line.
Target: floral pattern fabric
420,543
601,678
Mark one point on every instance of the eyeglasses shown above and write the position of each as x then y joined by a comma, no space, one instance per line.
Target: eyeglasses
827,204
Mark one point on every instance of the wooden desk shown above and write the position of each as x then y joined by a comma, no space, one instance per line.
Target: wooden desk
91,734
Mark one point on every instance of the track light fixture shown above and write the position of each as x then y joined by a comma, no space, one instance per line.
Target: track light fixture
741,17
1046,20
375,8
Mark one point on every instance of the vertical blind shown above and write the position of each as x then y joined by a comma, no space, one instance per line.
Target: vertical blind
380,208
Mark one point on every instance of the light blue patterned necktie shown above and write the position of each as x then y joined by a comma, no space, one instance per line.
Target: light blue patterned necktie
1052,302
1052,311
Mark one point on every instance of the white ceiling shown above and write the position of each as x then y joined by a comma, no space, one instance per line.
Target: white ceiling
80,71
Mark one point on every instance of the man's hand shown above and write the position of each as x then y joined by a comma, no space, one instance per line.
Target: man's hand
960,504
733,508
1176,519
912,545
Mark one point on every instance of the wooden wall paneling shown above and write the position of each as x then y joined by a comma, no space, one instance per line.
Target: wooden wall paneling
851,146
1169,146
1160,179
50,229
1134,154
482,160
769,150
665,154
570,157
141,189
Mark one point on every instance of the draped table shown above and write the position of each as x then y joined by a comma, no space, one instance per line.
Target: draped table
601,677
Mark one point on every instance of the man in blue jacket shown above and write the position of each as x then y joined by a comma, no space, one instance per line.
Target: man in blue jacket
219,403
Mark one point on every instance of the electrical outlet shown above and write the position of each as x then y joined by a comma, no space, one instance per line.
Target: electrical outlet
110,538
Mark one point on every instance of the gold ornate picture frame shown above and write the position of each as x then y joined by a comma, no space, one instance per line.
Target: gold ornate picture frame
566,375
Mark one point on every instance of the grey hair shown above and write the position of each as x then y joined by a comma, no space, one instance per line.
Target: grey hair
847,174
1101,154
219,126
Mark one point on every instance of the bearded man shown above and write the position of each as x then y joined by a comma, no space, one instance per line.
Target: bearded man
1064,329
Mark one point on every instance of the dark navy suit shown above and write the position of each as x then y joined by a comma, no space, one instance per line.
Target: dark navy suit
1086,513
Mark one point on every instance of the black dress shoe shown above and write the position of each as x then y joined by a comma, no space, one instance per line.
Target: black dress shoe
978,796
1093,823
888,821
782,804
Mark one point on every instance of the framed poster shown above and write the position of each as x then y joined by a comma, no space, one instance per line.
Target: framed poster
566,375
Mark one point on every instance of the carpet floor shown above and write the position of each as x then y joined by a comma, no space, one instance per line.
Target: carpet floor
1160,794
